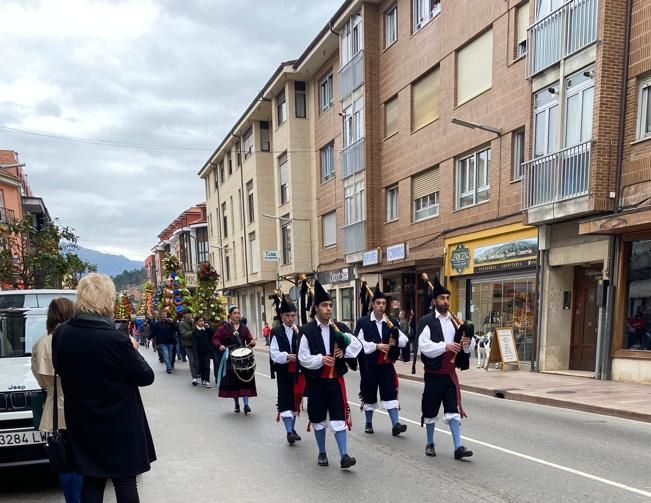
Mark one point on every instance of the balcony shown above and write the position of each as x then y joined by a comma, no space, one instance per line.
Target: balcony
557,177
355,237
351,75
7,215
352,158
567,30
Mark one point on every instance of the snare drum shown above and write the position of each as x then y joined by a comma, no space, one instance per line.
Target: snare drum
243,363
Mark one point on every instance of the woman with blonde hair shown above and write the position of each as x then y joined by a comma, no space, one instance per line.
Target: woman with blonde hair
59,311
101,370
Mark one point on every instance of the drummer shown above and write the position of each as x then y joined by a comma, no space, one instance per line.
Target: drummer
232,335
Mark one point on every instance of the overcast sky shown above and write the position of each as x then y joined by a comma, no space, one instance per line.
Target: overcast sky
175,73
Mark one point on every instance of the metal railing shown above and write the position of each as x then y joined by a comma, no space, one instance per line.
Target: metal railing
352,158
351,75
355,237
568,29
7,215
557,177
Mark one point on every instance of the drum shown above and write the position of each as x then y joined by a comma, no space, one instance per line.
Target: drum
243,363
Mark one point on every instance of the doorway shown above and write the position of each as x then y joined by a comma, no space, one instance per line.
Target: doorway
585,319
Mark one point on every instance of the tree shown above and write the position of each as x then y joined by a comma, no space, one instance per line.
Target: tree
39,257
128,279
176,300
146,307
206,301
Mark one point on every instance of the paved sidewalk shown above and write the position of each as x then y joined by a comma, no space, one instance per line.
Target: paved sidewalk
626,400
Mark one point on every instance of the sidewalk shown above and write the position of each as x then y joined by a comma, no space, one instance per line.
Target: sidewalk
612,398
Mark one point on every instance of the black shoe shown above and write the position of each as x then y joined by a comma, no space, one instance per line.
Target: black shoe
184,360
368,428
462,452
323,459
237,409
169,371
429,450
291,438
296,435
398,429
247,409
161,360
347,461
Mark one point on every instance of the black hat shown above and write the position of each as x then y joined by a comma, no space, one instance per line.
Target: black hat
439,289
287,307
320,295
378,294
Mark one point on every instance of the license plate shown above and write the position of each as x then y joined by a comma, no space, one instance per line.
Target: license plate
17,438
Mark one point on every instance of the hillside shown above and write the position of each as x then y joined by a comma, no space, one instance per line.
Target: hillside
108,263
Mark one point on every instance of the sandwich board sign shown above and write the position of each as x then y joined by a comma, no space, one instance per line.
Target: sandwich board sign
503,349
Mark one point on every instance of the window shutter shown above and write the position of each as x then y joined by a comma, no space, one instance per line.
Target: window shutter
329,229
391,117
475,67
284,174
523,22
425,99
425,183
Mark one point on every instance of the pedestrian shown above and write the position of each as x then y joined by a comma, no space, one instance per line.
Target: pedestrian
186,328
59,311
405,352
382,340
232,335
445,345
324,345
101,370
266,333
178,347
283,351
202,345
165,332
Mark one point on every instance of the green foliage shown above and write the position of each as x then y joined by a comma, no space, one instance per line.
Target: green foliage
128,279
40,258
206,301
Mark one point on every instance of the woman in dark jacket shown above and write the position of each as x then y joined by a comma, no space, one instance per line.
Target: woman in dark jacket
101,370
202,345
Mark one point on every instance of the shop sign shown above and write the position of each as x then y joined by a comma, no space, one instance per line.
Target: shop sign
396,252
460,258
336,276
505,256
271,255
371,257
191,279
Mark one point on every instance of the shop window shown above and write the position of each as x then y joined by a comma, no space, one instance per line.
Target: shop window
638,316
347,304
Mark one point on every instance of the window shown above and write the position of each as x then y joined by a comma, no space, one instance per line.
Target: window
239,153
232,214
354,203
472,178
250,201
579,92
546,121
354,122
475,67
329,229
391,26
423,11
228,267
286,237
283,171
254,258
300,99
522,23
202,244
248,143
518,154
328,162
351,38
221,171
347,303
392,203
240,209
281,108
425,194
326,94
545,7
224,220
638,309
229,161
210,224
265,144
644,111
425,99
391,117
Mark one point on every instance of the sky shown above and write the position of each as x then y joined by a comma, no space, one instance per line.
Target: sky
164,73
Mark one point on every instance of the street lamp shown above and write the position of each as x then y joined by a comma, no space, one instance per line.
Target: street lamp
474,125
9,166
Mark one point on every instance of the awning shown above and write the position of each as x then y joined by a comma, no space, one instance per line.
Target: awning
618,223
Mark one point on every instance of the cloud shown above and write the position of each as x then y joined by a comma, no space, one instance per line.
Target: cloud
170,72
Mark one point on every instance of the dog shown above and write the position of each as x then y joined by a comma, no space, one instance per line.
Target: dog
483,345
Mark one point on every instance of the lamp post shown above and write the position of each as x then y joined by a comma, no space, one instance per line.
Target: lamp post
474,125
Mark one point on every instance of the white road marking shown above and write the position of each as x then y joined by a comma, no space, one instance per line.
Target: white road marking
533,459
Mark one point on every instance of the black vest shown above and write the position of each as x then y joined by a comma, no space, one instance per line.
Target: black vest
283,345
371,334
436,335
312,332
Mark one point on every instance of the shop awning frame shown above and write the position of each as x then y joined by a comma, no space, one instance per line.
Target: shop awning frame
618,223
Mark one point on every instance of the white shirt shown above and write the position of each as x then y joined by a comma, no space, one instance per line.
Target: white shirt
313,362
434,349
371,347
278,356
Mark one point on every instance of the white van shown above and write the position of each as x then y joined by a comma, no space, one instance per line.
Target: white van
23,314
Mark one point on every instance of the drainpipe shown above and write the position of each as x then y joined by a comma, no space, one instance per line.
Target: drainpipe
242,216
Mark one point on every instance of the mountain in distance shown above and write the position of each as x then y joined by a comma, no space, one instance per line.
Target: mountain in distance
108,263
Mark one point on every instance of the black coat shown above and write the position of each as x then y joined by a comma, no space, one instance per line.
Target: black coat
100,375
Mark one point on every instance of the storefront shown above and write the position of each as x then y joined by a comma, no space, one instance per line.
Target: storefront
340,285
492,277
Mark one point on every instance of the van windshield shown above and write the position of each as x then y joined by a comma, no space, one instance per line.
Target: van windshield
18,333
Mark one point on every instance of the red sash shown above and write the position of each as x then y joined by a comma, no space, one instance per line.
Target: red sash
448,368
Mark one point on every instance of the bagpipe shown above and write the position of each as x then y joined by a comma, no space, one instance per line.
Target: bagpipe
394,332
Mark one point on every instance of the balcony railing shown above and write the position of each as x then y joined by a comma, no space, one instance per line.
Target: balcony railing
557,177
352,158
565,31
7,215
351,74
355,237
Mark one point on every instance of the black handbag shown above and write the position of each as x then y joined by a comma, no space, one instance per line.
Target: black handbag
58,444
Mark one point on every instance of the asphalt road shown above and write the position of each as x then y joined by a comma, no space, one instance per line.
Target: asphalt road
523,453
